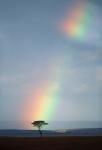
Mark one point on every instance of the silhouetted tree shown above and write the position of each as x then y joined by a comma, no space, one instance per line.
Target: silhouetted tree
39,124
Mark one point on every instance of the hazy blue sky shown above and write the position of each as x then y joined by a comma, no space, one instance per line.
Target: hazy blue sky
31,45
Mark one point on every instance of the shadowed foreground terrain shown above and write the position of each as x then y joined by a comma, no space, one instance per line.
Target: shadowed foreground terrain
51,143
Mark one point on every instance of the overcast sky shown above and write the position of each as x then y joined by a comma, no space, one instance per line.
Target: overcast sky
34,51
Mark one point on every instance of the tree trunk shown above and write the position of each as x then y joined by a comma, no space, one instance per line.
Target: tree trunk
40,132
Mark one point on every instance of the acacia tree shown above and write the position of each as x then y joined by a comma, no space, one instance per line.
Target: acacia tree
39,124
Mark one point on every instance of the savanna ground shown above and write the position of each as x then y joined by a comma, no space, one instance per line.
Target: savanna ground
51,143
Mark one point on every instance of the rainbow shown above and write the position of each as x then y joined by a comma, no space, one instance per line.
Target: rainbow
42,102
77,23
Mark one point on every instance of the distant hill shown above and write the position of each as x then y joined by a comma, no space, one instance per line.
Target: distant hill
35,133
